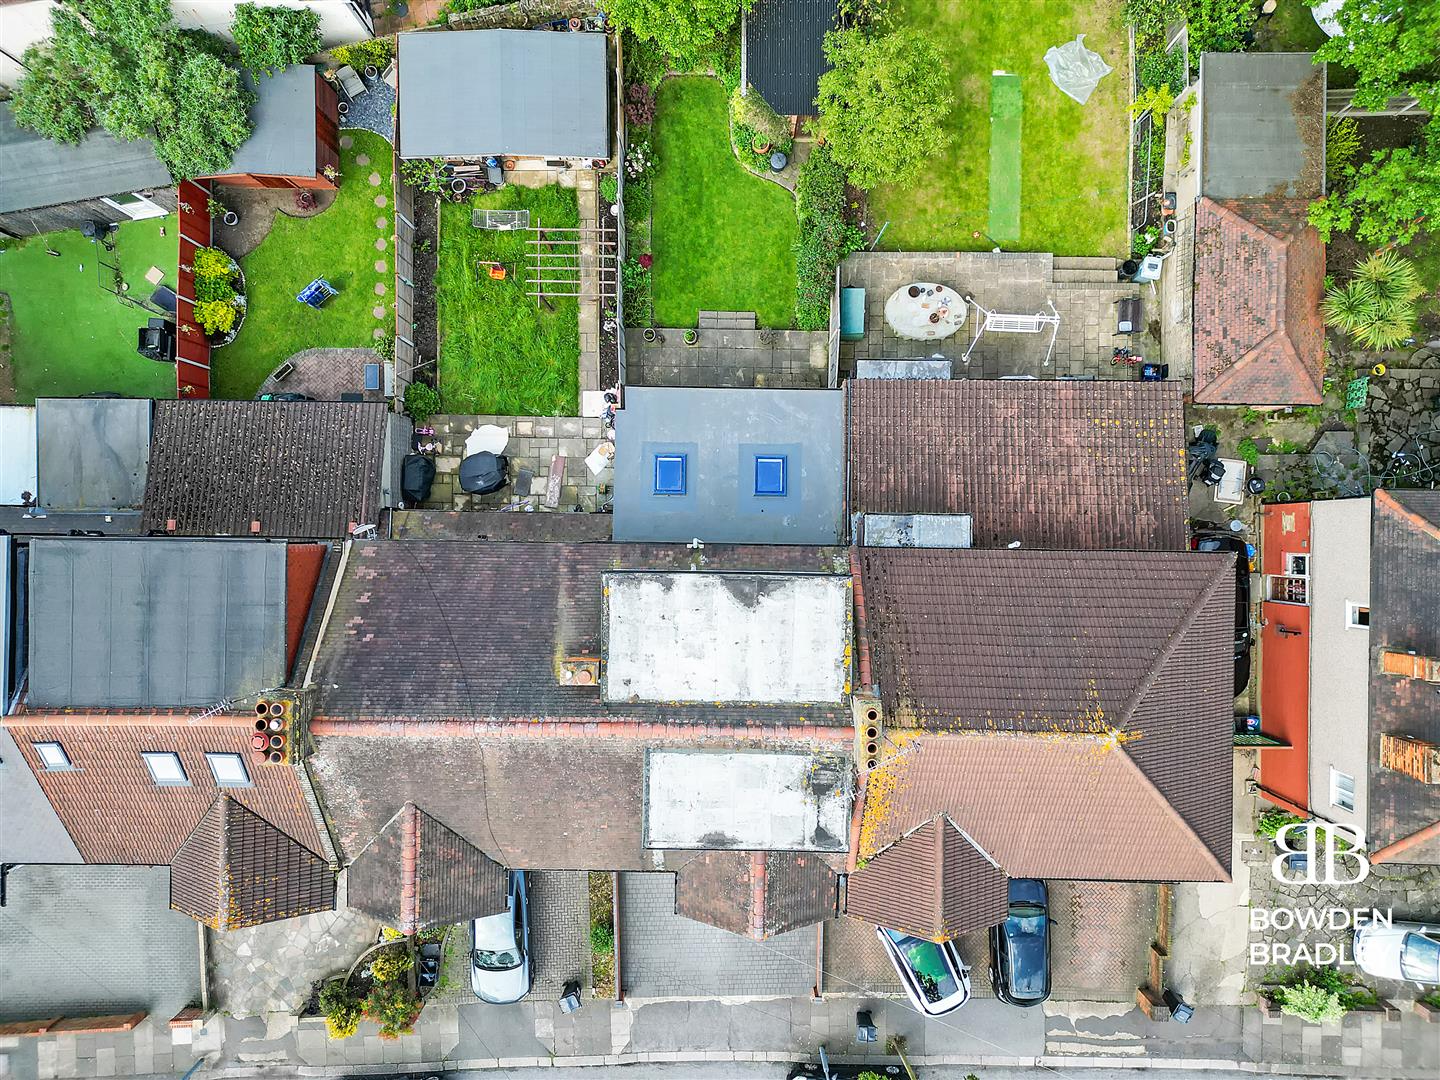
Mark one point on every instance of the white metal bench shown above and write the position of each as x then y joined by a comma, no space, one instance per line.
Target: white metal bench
998,323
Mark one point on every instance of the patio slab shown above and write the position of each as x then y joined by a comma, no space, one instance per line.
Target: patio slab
325,374
777,359
535,441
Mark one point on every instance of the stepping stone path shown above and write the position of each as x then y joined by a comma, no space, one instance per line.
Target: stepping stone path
377,333
362,159
381,222
380,200
378,311
379,266
374,179
346,142
379,288
380,244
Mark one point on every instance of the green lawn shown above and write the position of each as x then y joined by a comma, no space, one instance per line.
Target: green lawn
723,238
338,245
500,353
1073,159
70,336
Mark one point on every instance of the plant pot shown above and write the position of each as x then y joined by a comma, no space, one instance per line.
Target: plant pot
1427,1012
760,145
692,337
343,107
371,71
648,335
231,218
458,186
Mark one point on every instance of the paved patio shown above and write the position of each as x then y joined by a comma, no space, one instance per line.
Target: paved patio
1084,292
775,359
325,374
535,443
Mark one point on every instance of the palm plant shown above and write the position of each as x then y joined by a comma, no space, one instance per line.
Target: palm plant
1377,306
1393,279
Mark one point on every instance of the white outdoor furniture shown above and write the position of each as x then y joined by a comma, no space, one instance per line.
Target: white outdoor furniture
997,323
923,311
351,84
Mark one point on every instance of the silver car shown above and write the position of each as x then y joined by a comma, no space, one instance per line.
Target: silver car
1403,951
500,949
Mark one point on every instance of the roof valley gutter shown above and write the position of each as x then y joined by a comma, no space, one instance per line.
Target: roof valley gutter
329,608
581,727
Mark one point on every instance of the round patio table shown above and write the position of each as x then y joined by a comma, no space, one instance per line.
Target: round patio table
924,311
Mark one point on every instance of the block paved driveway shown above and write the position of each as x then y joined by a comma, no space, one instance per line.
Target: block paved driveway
667,955
94,939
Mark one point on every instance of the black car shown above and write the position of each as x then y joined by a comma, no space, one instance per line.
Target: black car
1020,946
1216,541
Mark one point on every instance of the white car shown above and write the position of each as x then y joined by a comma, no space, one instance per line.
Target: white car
936,980
1403,951
500,953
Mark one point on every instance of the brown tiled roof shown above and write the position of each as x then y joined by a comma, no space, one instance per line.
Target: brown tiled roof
933,882
302,469
1066,465
1079,642
756,893
1044,806
531,799
1404,617
417,873
236,869
492,622
113,810
1259,278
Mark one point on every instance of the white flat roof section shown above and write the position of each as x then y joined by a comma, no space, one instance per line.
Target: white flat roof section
19,454
749,800
761,638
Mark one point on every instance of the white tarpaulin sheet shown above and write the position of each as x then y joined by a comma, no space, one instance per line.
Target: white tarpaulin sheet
1075,69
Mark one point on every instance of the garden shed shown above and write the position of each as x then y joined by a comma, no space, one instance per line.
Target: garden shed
784,54
512,93
287,148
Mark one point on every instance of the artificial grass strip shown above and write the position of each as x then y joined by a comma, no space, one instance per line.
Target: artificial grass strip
1006,104
70,336
501,353
338,245
723,238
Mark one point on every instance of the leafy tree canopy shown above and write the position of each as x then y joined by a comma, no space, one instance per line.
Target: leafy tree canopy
125,66
1393,47
1389,199
270,39
884,104
682,29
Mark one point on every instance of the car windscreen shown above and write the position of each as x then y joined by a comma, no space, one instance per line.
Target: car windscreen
503,960
927,961
1025,933
1420,958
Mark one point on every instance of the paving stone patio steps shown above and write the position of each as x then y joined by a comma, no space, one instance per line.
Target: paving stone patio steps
727,320
1084,269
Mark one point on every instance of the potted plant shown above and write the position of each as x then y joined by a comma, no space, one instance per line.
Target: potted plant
649,336
1428,1007
371,71
760,143
692,337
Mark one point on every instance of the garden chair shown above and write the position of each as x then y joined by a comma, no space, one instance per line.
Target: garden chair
350,82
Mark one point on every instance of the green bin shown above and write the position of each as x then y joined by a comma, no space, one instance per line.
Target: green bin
852,314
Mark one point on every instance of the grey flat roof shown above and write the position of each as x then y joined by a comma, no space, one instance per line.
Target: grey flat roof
94,452
155,622
721,432
283,140
43,838
36,172
763,638
534,93
1262,126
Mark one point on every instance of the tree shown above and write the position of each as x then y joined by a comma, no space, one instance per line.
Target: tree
1389,199
1393,46
270,39
683,30
884,104
125,66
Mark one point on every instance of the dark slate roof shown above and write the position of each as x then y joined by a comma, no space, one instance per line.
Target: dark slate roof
496,525
530,798
38,172
721,432
757,894
418,873
154,622
236,869
493,620
93,452
282,141
1262,126
1083,642
1404,617
1259,279
468,93
784,51
302,469
934,882
1066,465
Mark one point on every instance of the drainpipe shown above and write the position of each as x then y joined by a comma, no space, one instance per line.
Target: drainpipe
615,920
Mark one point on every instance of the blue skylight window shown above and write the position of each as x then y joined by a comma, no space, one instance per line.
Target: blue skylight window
770,475
669,474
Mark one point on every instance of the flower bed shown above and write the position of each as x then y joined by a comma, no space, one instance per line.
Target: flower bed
219,296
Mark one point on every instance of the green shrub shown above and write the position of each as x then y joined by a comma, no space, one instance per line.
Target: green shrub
602,939
214,288
394,1006
826,237
424,174
610,188
1248,451
460,7
391,964
376,53
421,402
270,39
1311,1003
755,112
211,262
1377,306
1275,819
216,316
341,1009
1342,143
1157,68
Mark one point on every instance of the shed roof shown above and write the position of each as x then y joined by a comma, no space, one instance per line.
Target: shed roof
1404,617
470,93
155,622
94,452
761,638
721,433
747,799
282,139
784,51
1066,465
19,454
1262,126
39,172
